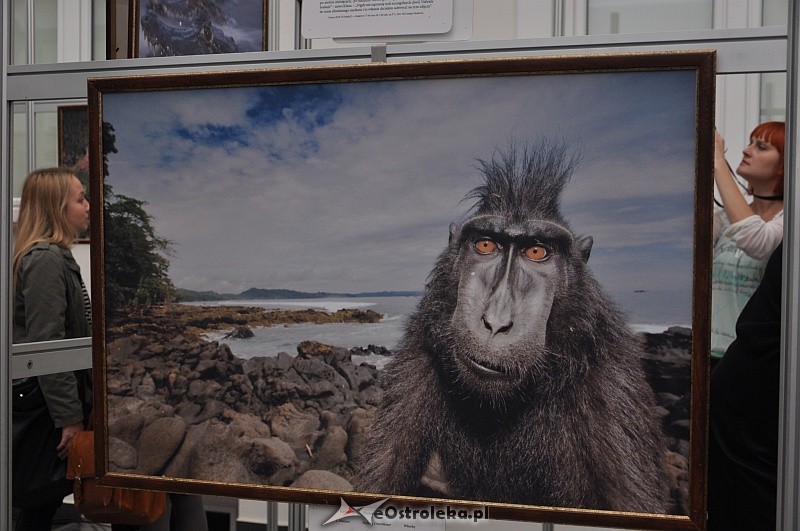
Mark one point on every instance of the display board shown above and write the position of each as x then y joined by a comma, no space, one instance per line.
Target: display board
477,284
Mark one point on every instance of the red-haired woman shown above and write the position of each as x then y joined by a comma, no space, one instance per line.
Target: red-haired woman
747,227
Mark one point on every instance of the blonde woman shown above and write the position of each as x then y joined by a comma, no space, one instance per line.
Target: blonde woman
50,303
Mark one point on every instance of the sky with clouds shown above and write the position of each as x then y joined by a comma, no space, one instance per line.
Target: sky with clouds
350,187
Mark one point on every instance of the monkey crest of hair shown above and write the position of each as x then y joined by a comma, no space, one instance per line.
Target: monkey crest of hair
526,185
516,372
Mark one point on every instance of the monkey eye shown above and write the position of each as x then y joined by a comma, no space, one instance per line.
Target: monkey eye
485,246
536,252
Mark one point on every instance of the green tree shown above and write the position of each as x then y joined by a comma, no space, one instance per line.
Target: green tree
135,257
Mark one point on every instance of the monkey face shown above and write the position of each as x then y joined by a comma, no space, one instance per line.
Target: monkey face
508,276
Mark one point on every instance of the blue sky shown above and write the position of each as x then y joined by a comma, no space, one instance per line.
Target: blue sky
351,186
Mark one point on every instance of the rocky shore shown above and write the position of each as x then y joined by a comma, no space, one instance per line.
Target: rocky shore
193,321
184,407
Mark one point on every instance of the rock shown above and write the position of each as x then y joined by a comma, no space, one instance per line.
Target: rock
680,331
371,396
679,429
272,458
177,384
125,427
240,332
329,354
147,387
678,481
213,409
667,363
321,377
199,457
118,385
125,347
188,411
283,361
204,390
207,369
122,456
246,425
298,429
358,431
358,377
371,349
330,453
241,384
322,480
158,443
187,408
313,349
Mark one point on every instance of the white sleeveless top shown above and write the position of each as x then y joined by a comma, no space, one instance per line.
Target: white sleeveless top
741,252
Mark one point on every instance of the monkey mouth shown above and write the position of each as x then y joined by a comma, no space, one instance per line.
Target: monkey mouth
485,368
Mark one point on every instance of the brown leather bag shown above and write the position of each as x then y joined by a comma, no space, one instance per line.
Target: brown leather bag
111,505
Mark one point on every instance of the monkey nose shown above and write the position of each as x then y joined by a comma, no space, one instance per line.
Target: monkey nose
497,326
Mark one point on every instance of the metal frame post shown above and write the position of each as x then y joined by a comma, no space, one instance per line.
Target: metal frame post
789,435
5,276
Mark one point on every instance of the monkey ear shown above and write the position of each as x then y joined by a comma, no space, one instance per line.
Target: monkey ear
584,246
454,232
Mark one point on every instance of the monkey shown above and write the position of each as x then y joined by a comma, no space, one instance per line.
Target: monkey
516,370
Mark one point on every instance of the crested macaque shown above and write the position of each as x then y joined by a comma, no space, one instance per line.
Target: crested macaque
516,372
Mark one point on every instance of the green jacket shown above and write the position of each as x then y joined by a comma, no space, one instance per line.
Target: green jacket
48,305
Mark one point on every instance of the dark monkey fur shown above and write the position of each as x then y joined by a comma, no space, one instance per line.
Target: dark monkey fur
516,369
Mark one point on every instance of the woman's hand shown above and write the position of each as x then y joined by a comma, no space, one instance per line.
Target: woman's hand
719,144
736,206
721,168
67,434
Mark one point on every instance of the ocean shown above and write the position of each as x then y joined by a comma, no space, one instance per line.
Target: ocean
269,341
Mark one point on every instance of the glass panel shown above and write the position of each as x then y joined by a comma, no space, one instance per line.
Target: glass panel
19,32
98,30
494,19
19,147
45,135
776,13
640,16
773,97
46,123
512,19
45,15
491,20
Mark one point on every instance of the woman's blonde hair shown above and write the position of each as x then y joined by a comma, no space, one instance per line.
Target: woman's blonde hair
42,212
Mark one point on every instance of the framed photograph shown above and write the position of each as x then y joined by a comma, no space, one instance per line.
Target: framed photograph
162,28
475,283
73,143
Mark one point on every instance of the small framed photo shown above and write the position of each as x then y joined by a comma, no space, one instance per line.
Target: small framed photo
73,144
163,28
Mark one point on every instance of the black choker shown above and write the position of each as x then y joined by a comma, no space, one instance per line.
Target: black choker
778,197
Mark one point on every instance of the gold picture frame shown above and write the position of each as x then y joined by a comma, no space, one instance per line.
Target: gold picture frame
336,184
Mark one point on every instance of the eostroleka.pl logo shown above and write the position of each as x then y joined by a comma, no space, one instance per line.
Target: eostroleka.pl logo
367,512
374,511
